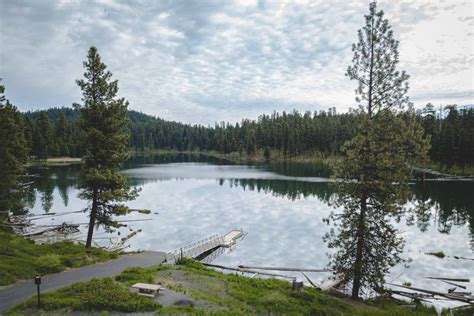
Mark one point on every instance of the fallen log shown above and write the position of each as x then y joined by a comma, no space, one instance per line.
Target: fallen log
142,211
309,280
248,271
447,295
284,269
448,279
333,282
119,244
457,285
79,224
464,258
417,296
33,218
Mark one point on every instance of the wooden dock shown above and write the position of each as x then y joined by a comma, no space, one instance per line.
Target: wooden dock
199,247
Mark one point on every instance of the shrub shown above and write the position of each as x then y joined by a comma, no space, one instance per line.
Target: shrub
93,295
49,263
136,275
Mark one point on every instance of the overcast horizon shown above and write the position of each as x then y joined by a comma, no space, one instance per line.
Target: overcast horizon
208,61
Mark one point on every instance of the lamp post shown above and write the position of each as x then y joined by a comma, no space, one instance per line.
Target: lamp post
38,282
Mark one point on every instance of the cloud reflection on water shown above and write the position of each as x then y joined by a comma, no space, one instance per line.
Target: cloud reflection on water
282,215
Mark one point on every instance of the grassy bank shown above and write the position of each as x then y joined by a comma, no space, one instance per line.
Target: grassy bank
213,292
278,157
258,157
454,170
21,258
56,161
275,156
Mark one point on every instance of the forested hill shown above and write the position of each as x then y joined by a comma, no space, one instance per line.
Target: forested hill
53,132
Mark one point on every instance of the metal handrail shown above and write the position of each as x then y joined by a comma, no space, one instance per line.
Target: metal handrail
196,248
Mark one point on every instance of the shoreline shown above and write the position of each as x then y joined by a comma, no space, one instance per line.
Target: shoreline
258,157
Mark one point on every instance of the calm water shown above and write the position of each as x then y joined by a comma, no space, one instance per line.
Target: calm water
281,206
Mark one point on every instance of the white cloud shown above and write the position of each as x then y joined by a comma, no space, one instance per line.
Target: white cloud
207,61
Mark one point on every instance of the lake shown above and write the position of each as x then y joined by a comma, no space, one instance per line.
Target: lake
280,206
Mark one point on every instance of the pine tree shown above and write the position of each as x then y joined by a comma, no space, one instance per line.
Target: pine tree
45,137
387,144
103,122
62,135
13,156
266,153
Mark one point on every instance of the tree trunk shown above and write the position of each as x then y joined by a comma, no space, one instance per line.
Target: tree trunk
360,247
90,232
363,203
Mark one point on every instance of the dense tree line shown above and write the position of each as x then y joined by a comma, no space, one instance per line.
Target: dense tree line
54,133
290,134
452,134
13,156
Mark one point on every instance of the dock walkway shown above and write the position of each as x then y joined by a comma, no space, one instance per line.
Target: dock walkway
199,247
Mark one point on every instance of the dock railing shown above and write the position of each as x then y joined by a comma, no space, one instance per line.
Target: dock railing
196,248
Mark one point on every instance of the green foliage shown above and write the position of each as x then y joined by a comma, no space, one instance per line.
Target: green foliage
13,155
388,142
94,295
229,294
465,311
20,258
134,275
49,263
44,137
438,254
221,294
312,134
452,136
267,153
105,145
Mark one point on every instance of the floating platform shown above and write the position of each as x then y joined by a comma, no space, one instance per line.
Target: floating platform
231,238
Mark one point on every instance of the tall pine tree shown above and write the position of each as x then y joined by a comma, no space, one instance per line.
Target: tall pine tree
105,146
44,136
389,141
13,156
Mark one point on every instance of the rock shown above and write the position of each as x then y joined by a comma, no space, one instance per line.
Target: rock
184,302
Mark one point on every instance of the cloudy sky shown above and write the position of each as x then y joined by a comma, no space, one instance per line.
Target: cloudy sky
205,61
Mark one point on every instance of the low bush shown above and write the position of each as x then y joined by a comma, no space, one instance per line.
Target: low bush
49,263
94,295
137,275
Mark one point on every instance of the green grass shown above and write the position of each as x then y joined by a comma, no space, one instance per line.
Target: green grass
465,311
218,293
454,170
21,258
131,276
230,294
94,295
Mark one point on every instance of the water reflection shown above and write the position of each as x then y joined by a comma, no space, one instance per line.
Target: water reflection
137,161
441,204
451,203
281,210
47,178
290,189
